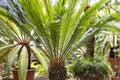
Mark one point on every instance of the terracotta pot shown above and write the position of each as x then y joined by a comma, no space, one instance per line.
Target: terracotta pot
113,78
30,74
91,78
115,62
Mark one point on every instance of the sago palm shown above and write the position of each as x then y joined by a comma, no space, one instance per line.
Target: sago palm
108,38
61,28
22,46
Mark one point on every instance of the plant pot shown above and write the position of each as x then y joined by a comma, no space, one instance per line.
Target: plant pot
113,78
30,74
115,62
91,78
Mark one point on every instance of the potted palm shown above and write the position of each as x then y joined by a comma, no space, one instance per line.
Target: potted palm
62,29
96,68
110,39
114,76
19,50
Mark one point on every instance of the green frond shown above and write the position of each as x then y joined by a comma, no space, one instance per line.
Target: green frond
116,16
4,51
7,14
23,64
40,57
68,24
7,46
32,9
91,11
15,31
6,31
59,9
54,29
14,21
49,9
4,55
12,56
2,43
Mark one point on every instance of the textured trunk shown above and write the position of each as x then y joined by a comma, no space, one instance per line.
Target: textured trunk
90,43
90,46
113,54
29,57
57,70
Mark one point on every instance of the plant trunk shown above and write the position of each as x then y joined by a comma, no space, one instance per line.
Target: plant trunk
29,57
113,54
90,46
57,70
90,43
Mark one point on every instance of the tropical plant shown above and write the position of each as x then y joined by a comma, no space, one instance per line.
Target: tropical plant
39,68
89,68
108,43
108,39
60,27
21,48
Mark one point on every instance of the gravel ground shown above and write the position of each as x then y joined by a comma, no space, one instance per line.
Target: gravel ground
41,77
37,77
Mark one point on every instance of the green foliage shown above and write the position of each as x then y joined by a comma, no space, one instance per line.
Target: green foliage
61,28
88,67
39,68
20,49
106,39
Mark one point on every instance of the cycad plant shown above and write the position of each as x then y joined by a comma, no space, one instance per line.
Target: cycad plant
61,27
111,41
21,47
19,50
89,68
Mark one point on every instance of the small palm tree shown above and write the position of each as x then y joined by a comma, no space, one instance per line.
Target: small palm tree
61,28
22,46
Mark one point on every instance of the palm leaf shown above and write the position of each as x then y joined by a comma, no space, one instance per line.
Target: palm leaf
68,22
49,9
23,64
11,17
7,14
32,9
7,46
91,11
12,25
6,30
40,57
4,55
59,9
54,29
12,56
